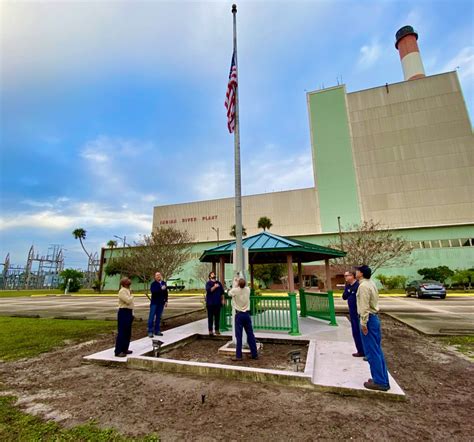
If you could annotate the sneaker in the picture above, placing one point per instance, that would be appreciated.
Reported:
(121, 355)
(150, 335)
(159, 334)
(255, 358)
(218, 333)
(129, 352)
(358, 355)
(373, 386)
(234, 359)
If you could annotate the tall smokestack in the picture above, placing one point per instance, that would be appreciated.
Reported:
(409, 53)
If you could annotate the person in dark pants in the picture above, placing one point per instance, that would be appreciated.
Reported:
(367, 306)
(214, 300)
(241, 302)
(124, 319)
(350, 295)
(158, 302)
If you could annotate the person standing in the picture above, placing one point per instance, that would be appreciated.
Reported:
(241, 302)
(158, 302)
(124, 319)
(367, 306)
(350, 295)
(214, 300)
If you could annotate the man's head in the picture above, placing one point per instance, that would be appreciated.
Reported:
(158, 276)
(350, 276)
(363, 272)
(212, 275)
(126, 282)
(242, 283)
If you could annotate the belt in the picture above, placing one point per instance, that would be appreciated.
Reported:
(240, 311)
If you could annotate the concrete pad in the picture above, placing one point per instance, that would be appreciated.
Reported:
(329, 362)
(437, 324)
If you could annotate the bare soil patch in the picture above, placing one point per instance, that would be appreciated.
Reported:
(438, 383)
(273, 356)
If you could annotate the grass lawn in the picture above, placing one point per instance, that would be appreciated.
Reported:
(27, 337)
(464, 344)
(18, 426)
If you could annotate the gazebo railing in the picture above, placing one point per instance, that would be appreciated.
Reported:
(318, 305)
(277, 313)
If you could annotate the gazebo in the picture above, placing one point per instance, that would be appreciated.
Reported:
(267, 248)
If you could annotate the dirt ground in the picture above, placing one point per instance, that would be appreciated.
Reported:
(274, 356)
(439, 386)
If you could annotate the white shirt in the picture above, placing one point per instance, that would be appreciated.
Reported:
(240, 299)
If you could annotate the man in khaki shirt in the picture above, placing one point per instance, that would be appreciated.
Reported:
(124, 319)
(368, 308)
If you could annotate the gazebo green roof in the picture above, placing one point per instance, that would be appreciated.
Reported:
(267, 248)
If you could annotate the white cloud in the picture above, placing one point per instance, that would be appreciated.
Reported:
(463, 62)
(368, 55)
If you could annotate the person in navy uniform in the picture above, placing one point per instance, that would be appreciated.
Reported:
(350, 295)
(214, 300)
(158, 302)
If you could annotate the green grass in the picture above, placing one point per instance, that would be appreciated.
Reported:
(464, 344)
(27, 337)
(18, 426)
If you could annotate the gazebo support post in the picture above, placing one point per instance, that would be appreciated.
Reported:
(222, 270)
(300, 275)
(328, 275)
(291, 278)
(214, 267)
(251, 277)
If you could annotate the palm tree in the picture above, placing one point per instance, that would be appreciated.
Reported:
(232, 231)
(80, 234)
(264, 223)
(111, 244)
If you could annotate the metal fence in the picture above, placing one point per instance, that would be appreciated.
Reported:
(318, 305)
(277, 313)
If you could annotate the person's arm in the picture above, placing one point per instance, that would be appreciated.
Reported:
(166, 294)
(231, 293)
(345, 294)
(363, 294)
(125, 296)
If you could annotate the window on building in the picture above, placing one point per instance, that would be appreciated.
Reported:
(425, 245)
(466, 242)
(435, 243)
(445, 243)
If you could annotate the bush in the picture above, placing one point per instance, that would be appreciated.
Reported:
(463, 277)
(393, 282)
(440, 273)
(75, 276)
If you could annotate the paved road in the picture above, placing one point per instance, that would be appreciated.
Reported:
(433, 316)
(89, 307)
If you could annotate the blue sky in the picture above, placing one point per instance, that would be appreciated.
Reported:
(110, 108)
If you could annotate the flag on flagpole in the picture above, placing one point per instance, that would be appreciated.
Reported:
(230, 95)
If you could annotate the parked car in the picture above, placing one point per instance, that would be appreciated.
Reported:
(425, 288)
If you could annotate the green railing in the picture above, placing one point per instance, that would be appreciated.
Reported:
(318, 305)
(268, 313)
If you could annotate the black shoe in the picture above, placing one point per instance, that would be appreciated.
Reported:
(365, 358)
(234, 359)
(159, 334)
(129, 352)
(373, 386)
(254, 358)
(211, 334)
(121, 355)
(358, 355)
(150, 335)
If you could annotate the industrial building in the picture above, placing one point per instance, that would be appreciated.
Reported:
(400, 154)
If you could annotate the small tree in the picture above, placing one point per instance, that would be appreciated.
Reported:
(269, 273)
(440, 273)
(464, 277)
(233, 234)
(264, 223)
(80, 234)
(392, 282)
(71, 274)
(201, 272)
(166, 251)
(372, 244)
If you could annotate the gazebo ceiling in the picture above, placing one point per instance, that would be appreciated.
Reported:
(267, 248)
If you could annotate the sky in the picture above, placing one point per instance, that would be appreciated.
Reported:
(110, 108)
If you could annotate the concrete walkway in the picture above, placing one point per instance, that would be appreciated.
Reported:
(329, 365)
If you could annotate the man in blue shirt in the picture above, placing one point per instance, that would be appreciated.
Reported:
(350, 294)
(159, 300)
(214, 300)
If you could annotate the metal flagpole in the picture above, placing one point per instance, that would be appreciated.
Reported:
(239, 264)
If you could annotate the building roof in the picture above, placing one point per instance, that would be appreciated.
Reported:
(267, 248)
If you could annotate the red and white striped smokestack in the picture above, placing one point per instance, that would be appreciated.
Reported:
(409, 53)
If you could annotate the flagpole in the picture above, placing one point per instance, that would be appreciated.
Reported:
(239, 256)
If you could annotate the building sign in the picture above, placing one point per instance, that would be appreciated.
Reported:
(187, 220)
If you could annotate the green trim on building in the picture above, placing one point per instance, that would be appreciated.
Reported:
(333, 165)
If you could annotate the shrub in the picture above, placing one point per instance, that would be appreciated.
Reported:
(393, 282)
(76, 278)
(440, 273)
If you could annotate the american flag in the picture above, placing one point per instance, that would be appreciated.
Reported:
(230, 95)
